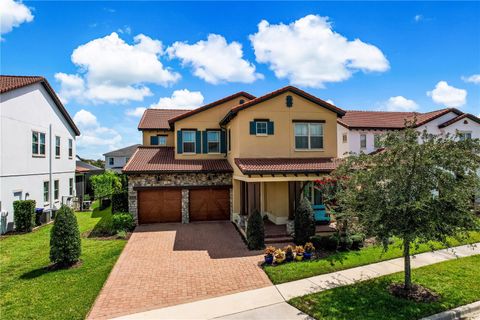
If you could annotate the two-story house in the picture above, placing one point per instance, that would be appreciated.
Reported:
(359, 131)
(116, 159)
(37, 145)
(230, 157)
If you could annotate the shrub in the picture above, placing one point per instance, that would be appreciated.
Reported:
(255, 231)
(24, 215)
(105, 203)
(123, 222)
(304, 222)
(65, 245)
(345, 242)
(105, 184)
(357, 240)
(328, 243)
(122, 234)
(120, 202)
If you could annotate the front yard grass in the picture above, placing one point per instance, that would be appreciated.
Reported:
(29, 291)
(349, 259)
(457, 282)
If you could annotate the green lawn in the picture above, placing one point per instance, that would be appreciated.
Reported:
(344, 260)
(457, 282)
(28, 291)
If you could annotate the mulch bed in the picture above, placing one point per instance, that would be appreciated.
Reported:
(417, 293)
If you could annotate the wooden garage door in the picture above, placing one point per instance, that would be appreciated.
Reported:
(209, 204)
(161, 205)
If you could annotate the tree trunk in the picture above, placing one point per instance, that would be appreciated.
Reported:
(408, 269)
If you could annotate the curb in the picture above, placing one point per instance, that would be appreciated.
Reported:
(457, 313)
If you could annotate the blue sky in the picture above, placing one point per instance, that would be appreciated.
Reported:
(109, 60)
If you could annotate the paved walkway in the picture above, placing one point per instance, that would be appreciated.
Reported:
(169, 264)
(271, 301)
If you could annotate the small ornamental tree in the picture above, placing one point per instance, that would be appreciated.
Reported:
(105, 184)
(255, 231)
(65, 245)
(304, 222)
(419, 189)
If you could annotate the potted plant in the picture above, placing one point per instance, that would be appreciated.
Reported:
(269, 251)
(288, 253)
(309, 248)
(279, 256)
(299, 253)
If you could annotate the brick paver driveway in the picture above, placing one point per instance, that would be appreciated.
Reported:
(168, 264)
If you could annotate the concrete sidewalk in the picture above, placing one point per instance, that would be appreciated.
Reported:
(271, 301)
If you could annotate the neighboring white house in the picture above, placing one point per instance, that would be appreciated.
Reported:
(115, 160)
(358, 131)
(37, 145)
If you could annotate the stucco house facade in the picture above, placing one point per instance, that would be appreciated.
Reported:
(226, 159)
(37, 145)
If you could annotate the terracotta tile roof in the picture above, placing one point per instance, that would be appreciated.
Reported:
(211, 105)
(82, 167)
(162, 160)
(158, 118)
(9, 83)
(275, 93)
(286, 165)
(460, 117)
(388, 119)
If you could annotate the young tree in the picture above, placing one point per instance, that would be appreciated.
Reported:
(255, 231)
(419, 189)
(304, 222)
(65, 244)
(105, 184)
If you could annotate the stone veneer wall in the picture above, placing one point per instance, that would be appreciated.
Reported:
(176, 180)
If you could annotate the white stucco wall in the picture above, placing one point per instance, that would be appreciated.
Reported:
(22, 111)
(118, 162)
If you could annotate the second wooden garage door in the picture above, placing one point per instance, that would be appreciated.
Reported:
(209, 204)
(161, 205)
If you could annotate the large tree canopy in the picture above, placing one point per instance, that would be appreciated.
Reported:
(419, 188)
(105, 184)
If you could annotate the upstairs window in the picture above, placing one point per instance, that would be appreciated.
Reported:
(261, 128)
(363, 141)
(464, 135)
(38, 143)
(70, 148)
(188, 141)
(213, 141)
(46, 191)
(158, 140)
(111, 161)
(57, 146)
(308, 136)
(56, 189)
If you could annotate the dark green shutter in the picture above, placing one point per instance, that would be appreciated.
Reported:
(198, 140)
(270, 127)
(179, 142)
(204, 140)
(223, 142)
(154, 140)
(253, 127)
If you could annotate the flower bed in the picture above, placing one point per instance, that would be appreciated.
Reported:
(277, 256)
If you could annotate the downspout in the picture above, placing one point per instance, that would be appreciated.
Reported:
(50, 183)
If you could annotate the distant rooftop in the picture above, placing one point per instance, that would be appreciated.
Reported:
(123, 152)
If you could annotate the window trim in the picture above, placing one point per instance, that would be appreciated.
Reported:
(58, 147)
(229, 140)
(363, 135)
(194, 142)
(47, 201)
(218, 142)
(70, 186)
(38, 154)
(266, 128)
(70, 148)
(345, 138)
(321, 124)
(56, 190)
(112, 162)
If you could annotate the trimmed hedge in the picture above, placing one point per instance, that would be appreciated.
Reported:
(65, 245)
(255, 231)
(123, 222)
(120, 202)
(24, 215)
(327, 243)
(304, 222)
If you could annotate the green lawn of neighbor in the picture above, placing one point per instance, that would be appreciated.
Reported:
(457, 281)
(349, 259)
(29, 291)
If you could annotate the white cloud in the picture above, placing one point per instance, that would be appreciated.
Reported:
(309, 53)
(114, 71)
(137, 112)
(330, 101)
(13, 14)
(474, 78)
(447, 95)
(180, 99)
(215, 60)
(400, 103)
(94, 139)
(418, 18)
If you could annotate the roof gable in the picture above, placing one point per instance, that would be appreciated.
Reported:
(10, 83)
(157, 119)
(458, 118)
(123, 152)
(234, 111)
